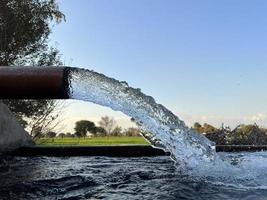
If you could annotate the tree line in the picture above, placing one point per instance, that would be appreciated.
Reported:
(250, 134)
(84, 128)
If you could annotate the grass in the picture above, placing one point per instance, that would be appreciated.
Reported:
(94, 141)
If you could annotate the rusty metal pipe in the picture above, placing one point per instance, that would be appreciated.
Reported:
(34, 82)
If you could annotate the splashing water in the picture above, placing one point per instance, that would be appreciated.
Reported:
(187, 147)
(195, 154)
(201, 174)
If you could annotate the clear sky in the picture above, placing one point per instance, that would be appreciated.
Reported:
(204, 60)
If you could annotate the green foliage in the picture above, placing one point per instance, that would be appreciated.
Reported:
(101, 131)
(132, 132)
(83, 127)
(51, 134)
(206, 128)
(24, 31)
(219, 136)
(117, 131)
(197, 126)
(27, 108)
(250, 134)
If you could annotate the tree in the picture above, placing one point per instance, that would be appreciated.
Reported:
(132, 132)
(83, 127)
(250, 134)
(108, 123)
(51, 134)
(47, 118)
(219, 136)
(61, 135)
(117, 131)
(100, 131)
(206, 128)
(37, 132)
(197, 127)
(24, 30)
(216, 135)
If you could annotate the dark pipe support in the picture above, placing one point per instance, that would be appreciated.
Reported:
(34, 83)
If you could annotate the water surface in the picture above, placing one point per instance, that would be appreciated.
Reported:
(128, 178)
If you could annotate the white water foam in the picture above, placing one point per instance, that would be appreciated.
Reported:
(242, 171)
(189, 148)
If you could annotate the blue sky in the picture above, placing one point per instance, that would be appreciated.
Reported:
(204, 60)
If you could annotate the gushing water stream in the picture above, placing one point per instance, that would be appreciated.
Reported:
(195, 154)
(157, 123)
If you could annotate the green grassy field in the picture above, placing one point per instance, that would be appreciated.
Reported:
(105, 141)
